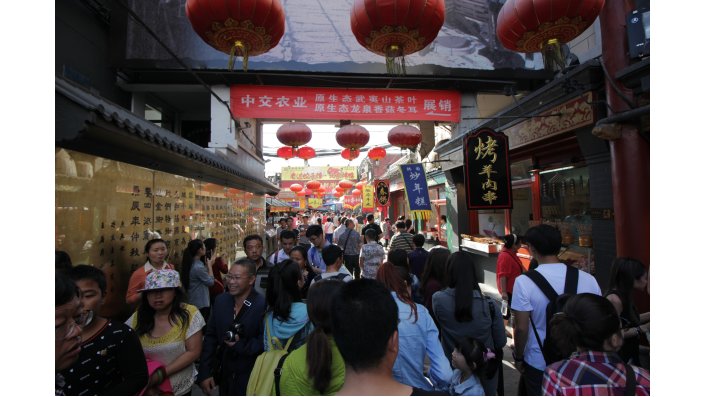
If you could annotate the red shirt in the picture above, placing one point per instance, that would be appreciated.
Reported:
(509, 266)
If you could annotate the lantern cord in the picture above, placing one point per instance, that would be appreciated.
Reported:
(186, 67)
(396, 65)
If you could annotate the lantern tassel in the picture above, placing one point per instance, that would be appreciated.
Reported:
(394, 58)
(233, 54)
(553, 58)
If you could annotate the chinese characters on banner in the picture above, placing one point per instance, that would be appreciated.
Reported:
(351, 202)
(487, 172)
(368, 198)
(382, 193)
(278, 102)
(416, 190)
(315, 202)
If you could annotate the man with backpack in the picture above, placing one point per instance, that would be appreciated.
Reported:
(533, 308)
(333, 257)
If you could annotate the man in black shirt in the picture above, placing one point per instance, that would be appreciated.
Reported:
(371, 225)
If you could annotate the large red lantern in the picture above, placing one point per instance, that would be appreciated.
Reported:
(357, 192)
(349, 155)
(404, 136)
(353, 137)
(313, 185)
(294, 134)
(242, 28)
(543, 25)
(296, 188)
(338, 194)
(306, 153)
(395, 28)
(377, 153)
(345, 184)
(308, 192)
(340, 189)
(359, 185)
(285, 152)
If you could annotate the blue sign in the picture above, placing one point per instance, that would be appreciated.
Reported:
(416, 190)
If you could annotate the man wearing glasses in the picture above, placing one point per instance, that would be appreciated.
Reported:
(68, 320)
(239, 310)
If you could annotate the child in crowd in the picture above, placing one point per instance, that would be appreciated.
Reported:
(468, 358)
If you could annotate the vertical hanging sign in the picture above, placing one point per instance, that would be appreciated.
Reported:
(368, 198)
(488, 181)
(382, 193)
(416, 190)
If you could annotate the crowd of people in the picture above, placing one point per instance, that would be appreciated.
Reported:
(361, 309)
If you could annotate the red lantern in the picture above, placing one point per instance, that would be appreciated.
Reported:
(285, 152)
(353, 137)
(321, 190)
(340, 189)
(301, 193)
(350, 155)
(338, 194)
(238, 27)
(356, 192)
(377, 153)
(404, 136)
(345, 184)
(294, 134)
(296, 188)
(308, 192)
(306, 152)
(543, 25)
(359, 185)
(313, 185)
(394, 28)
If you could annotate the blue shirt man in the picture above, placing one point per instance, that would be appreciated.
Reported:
(318, 242)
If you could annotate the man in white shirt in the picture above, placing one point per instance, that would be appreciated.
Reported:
(529, 303)
(287, 240)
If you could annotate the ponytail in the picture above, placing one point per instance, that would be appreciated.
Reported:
(319, 358)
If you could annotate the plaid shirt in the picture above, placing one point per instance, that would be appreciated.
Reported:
(592, 373)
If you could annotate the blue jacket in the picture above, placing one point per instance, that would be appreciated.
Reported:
(239, 359)
(416, 340)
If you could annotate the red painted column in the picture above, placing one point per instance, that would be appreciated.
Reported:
(630, 152)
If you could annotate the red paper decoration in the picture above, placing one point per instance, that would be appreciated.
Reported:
(345, 184)
(242, 28)
(313, 185)
(296, 188)
(404, 136)
(350, 155)
(285, 152)
(294, 134)
(394, 28)
(377, 153)
(356, 192)
(306, 153)
(543, 25)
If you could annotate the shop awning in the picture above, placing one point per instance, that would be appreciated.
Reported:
(276, 205)
(88, 123)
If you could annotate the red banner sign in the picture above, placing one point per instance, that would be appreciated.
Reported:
(279, 102)
(351, 202)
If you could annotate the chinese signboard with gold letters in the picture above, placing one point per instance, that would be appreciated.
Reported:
(487, 173)
(382, 193)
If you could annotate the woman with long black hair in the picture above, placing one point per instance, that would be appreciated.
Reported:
(462, 310)
(197, 277)
(169, 330)
(629, 275)
(286, 315)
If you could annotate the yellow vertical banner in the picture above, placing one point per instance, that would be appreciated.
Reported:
(368, 198)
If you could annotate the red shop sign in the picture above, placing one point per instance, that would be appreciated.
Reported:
(297, 103)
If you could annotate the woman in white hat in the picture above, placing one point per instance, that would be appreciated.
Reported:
(169, 330)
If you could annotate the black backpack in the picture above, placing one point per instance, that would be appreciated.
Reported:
(551, 352)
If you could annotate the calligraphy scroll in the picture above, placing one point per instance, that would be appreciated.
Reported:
(368, 198)
(416, 190)
(488, 180)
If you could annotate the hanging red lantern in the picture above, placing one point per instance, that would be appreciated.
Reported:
(353, 137)
(296, 188)
(395, 28)
(345, 184)
(306, 152)
(313, 185)
(377, 153)
(301, 193)
(285, 152)
(404, 136)
(294, 134)
(240, 28)
(359, 185)
(543, 25)
(340, 189)
(356, 192)
(338, 194)
(349, 155)
(308, 192)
